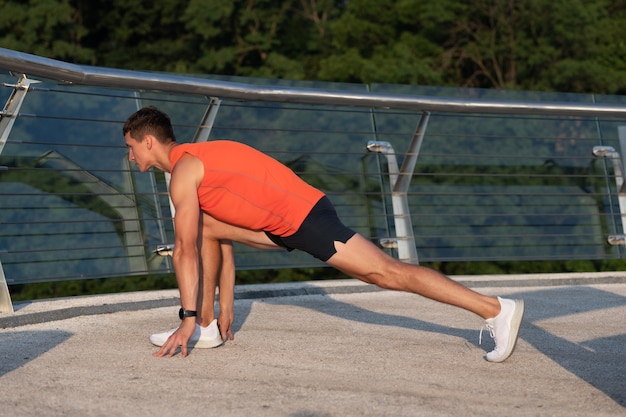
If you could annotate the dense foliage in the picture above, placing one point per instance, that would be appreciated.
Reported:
(548, 45)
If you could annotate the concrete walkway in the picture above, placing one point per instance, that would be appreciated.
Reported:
(318, 349)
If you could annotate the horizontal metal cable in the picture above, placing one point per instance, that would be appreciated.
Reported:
(94, 248)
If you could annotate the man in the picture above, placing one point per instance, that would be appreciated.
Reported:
(226, 191)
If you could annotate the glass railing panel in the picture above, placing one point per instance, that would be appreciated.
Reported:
(490, 187)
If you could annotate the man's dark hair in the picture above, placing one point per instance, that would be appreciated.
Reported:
(149, 121)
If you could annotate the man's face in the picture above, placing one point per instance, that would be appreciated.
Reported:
(137, 152)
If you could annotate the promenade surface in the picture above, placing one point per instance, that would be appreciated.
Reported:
(319, 349)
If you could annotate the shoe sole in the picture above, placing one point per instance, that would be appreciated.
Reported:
(157, 342)
(516, 322)
(207, 344)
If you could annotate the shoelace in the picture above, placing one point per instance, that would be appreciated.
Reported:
(491, 332)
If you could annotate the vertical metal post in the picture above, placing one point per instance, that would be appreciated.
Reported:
(7, 119)
(12, 108)
(204, 129)
(202, 135)
(408, 165)
(618, 169)
(400, 179)
(6, 306)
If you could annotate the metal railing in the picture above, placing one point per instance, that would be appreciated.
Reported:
(449, 174)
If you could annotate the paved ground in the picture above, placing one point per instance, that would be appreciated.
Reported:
(322, 349)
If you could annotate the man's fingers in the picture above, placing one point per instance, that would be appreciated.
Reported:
(162, 351)
(166, 351)
(222, 331)
(226, 334)
(169, 348)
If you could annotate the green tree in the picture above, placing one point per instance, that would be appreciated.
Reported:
(548, 45)
(50, 28)
(559, 45)
(258, 38)
(387, 41)
(140, 35)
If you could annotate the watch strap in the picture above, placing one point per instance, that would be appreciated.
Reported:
(183, 314)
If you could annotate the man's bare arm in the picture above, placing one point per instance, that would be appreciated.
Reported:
(184, 193)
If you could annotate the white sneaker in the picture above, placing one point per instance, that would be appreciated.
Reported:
(504, 329)
(202, 338)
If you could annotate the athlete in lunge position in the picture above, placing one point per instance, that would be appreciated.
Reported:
(225, 191)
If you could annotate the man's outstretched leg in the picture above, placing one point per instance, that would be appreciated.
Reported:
(361, 259)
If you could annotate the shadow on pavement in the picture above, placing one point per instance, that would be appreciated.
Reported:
(19, 348)
(599, 362)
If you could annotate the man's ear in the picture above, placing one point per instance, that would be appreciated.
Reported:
(149, 140)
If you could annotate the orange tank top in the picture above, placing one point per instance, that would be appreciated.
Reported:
(247, 188)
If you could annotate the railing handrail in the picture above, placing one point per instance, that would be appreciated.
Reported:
(126, 79)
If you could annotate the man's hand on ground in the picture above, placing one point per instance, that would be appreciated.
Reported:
(224, 323)
(179, 338)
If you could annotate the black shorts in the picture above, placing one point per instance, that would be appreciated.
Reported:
(318, 233)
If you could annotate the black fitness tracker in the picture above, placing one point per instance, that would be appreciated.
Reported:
(183, 314)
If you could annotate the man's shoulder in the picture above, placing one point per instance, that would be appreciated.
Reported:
(212, 145)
